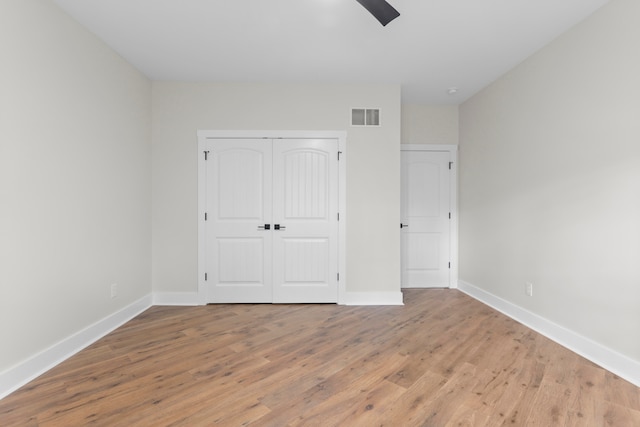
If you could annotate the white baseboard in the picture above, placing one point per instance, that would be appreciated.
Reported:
(14, 378)
(176, 298)
(350, 298)
(619, 364)
(372, 298)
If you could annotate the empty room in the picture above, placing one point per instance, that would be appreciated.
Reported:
(320, 213)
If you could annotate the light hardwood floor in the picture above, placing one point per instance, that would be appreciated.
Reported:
(443, 359)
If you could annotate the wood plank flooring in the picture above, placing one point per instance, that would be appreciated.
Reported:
(443, 359)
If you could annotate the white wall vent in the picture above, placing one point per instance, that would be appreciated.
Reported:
(365, 117)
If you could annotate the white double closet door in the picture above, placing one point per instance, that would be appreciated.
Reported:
(271, 228)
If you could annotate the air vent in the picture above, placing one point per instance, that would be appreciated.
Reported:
(365, 117)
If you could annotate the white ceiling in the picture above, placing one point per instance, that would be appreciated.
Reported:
(432, 46)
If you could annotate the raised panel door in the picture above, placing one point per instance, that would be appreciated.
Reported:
(305, 208)
(425, 214)
(239, 201)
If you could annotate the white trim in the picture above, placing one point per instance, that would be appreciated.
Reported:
(340, 136)
(619, 364)
(342, 209)
(372, 298)
(454, 217)
(176, 298)
(202, 207)
(271, 134)
(19, 375)
(453, 192)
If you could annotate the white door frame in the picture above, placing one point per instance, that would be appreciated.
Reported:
(453, 188)
(340, 136)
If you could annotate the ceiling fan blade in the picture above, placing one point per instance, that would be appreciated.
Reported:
(381, 10)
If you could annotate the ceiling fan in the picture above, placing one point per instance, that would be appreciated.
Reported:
(381, 10)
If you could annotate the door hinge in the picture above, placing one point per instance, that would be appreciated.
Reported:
(205, 216)
(338, 216)
(206, 155)
(339, 152)
(338, 276)
(449, 215)
(450, 164)
(205, 277)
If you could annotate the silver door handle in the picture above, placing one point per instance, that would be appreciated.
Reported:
(278, 227)
(403, 225)
(264, 227)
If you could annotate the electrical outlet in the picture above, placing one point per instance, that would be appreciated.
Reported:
(114, 290)
(528, 288)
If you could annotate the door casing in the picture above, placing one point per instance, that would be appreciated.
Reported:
(340, 136)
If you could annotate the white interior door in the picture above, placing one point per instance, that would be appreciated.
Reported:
(305, 208)
(426, 219)
(272, 231)
(238, 205)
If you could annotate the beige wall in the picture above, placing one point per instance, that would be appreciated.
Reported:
(429, 124)
(74, 179)
(548, 192)
(550, 181)
(373, 162)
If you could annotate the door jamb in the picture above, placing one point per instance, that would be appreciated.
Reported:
(340, 136)
(453, 191)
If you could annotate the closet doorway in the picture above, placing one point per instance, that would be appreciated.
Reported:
(270, 229)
